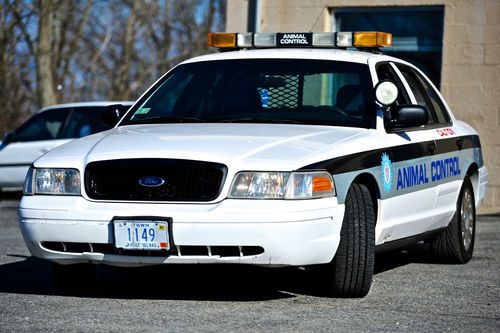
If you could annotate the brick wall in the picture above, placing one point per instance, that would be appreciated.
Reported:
(470, 79)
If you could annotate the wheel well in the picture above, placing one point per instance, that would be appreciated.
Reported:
(473, 168)
(370, 182)
(473, 173)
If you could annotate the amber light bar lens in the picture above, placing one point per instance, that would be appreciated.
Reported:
(372, 39)
(221, 39)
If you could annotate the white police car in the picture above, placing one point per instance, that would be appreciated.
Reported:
(287, 150)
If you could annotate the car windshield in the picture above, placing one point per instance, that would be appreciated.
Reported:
(261, 91)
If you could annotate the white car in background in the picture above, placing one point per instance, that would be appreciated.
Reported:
(48, 128)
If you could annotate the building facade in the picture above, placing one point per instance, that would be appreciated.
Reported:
(456, 42)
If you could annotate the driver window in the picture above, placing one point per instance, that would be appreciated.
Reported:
(42, 126)
(418, 91)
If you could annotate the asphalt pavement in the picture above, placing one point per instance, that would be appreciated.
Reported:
(411, 292)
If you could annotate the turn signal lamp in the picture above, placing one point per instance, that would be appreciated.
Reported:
(373, 39)
(321, 184)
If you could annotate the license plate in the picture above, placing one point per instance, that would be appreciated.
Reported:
(141, 235)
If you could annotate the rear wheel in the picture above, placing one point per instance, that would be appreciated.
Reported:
(351, 271)
(456, 243)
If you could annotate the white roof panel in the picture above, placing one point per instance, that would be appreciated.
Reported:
(288, 53)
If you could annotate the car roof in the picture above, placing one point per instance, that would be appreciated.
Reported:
(85, 104)
(288, 53)
(332, 54)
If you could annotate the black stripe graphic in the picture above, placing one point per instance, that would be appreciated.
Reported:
(371, 158)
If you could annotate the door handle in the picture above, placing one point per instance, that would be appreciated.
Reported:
(431, 148)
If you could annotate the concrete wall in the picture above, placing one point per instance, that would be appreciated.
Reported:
(470, 80)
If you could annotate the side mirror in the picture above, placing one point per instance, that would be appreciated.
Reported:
(386, 92)
(408, 116)
(112, 114)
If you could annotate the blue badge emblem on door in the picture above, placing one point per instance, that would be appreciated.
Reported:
(386, 173)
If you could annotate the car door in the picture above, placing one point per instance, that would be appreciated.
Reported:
(408, 195)
(445, 168)
(32, 139)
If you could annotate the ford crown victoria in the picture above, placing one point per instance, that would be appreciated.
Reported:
(281, 150)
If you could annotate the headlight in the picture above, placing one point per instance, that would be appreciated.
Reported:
(52, 181)
(259, 185)
(282, 185)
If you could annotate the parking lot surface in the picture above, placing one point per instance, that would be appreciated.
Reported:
(410, 292)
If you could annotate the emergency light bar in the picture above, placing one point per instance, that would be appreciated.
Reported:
(372, 39)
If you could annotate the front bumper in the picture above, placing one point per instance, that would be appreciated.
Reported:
(12, 177)
(294, 233)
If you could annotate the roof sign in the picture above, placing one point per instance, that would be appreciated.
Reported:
(294, 39)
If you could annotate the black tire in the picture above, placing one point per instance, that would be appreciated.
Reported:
(355, 257)
(456, 243)
(73, 276)
(350, 273)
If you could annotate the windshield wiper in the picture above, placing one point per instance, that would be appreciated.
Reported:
(260, 120)
(166, 120)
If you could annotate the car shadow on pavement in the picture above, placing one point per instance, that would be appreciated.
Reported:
(417, 253)
(177, 282)
(184, 282)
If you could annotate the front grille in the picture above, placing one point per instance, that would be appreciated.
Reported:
(184, 180)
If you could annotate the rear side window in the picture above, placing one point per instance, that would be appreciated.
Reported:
(42, 126)
(425, 95)
(83, 121)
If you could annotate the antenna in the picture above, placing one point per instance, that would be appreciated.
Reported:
(319, 15)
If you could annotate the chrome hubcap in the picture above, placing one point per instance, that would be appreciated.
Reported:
(467, 219)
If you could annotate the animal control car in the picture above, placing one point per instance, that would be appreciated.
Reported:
(284, 150)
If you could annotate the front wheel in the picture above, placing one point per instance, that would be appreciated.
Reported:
(456, 243)
(351, 271)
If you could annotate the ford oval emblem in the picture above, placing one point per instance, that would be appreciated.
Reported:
(151, 181)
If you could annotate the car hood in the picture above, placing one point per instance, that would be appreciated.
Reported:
(239, 146)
